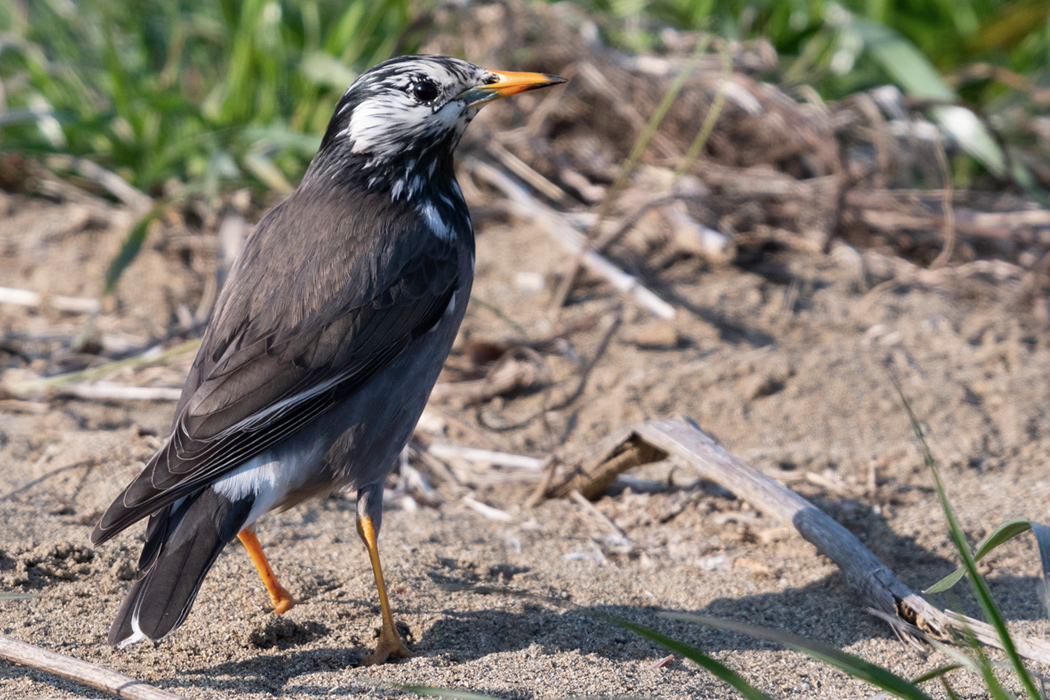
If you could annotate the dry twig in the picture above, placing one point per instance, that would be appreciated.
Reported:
(605, 520)
(54, 472)
(529, 207)
(109, 391)
(471, 454)
(684, 442)
(486, 510)
(85, 672)
(153, 356)
(25, 297)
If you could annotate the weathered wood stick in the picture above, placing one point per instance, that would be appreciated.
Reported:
(85, 672)
(884, 595)
(686, 443)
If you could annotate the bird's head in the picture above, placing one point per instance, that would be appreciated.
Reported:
(410, 112)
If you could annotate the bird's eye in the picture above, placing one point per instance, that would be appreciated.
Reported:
(425, 90)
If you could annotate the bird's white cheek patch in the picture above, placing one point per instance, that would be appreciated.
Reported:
(380, 125)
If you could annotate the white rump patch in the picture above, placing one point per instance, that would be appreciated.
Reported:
(269, 478)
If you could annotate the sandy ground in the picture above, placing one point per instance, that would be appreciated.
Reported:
(785, 353)
(786, 361)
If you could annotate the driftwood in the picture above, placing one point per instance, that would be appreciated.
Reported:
(682, 441)
(85, 672)
(617, 453)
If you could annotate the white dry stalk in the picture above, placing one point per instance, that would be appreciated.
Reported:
(472, 454)
(487, 511)
(34, 300)
(528, 207)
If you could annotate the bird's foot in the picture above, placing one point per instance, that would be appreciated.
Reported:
(282, 600)
(390, 646)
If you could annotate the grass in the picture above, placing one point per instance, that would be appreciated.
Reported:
(823, 48)
(874, 675)
(186, 90)
(209, 93)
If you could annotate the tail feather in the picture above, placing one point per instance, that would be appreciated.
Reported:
(183, 542)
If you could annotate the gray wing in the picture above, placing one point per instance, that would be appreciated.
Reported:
(256, 381)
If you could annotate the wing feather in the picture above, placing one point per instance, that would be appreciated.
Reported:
(258, 379)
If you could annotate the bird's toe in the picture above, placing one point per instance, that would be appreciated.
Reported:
(388, 648)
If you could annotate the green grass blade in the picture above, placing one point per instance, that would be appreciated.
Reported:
(129, 249)
(710, 119)
(1004, 533)
(980, 587)
(910, 69)
(984, 665)
(1042, 539)
(936, 673)
(267, 172)
(713, 666)
(849, 663)
(948, 690)
(19, 596)
(642, 142)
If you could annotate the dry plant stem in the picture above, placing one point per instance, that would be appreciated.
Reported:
(54, 472)
(108, 391)
(25, 297)
(601, 517)
(152, 356)
(948, 212)
(615, 454)
(888, 598)
(472, 454)
(633, 158)
(539, 494)
(1033, 649)
(604, 242)
(117, 186)
(511, 376)
(528, 207)
(89, 674)
(486, 510)
(523, 170)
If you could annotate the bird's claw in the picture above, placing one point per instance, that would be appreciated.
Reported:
(390, 646)
(282, 600)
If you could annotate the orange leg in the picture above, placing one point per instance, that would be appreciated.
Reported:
(390, 643)
(282, 599)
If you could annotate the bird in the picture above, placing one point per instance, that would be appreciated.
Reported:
(324, 345)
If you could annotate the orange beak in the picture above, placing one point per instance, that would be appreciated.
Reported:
(506, 83)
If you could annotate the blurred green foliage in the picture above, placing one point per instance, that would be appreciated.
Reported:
(186, 89)
(207, 91)
(821, 41)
